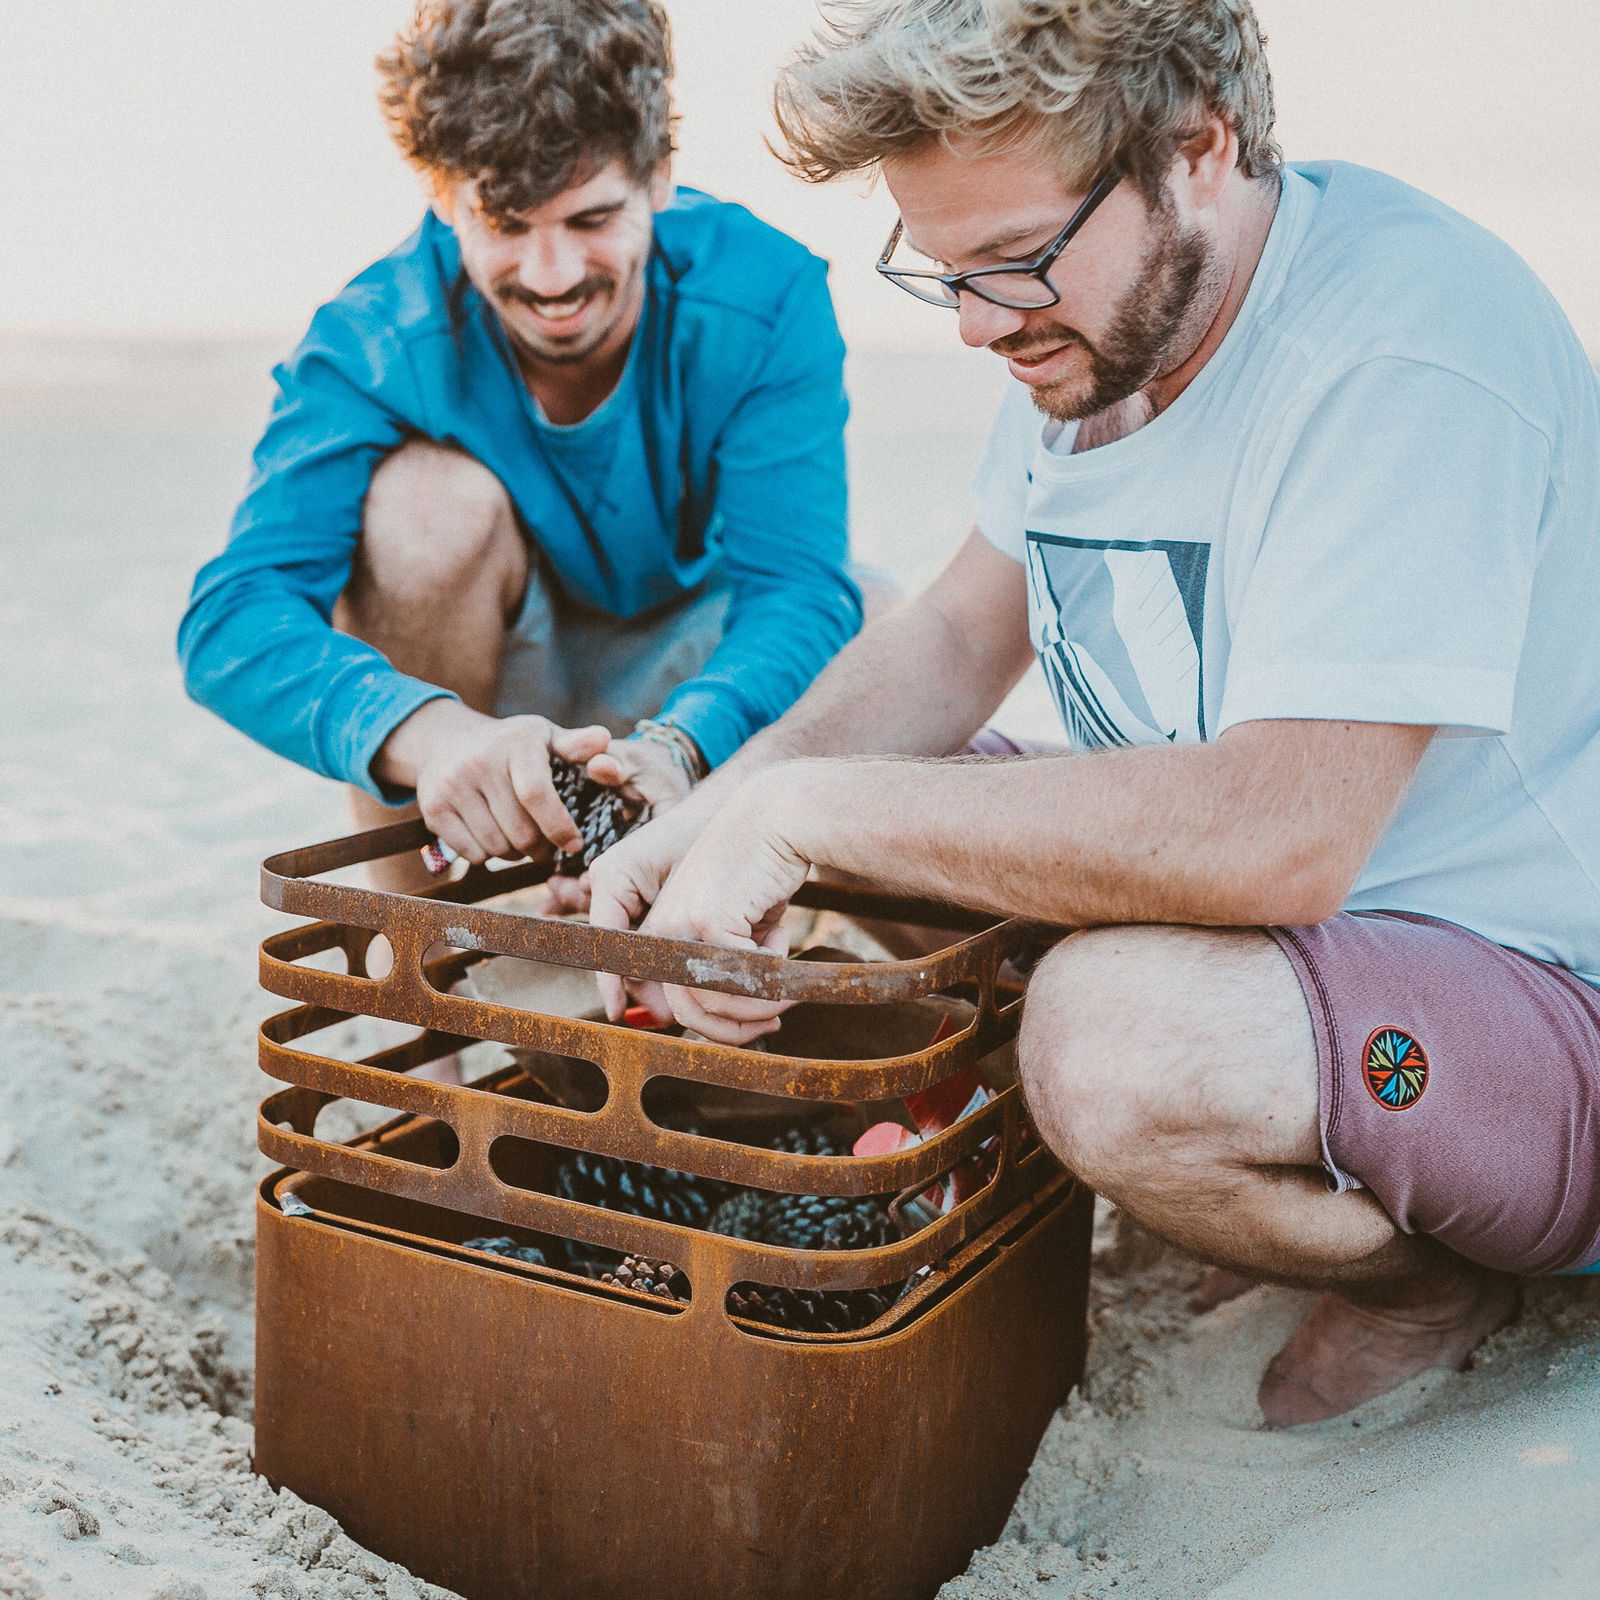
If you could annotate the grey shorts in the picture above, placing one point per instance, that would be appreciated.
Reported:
(1460, 1084)
(578, 666)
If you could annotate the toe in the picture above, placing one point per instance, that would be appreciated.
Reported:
(1288, 1397)
(1216, 1288)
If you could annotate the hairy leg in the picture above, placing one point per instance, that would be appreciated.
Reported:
(1174, 1070)
(437, 581)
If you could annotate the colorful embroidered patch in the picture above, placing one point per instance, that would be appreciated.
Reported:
(1395, 1068)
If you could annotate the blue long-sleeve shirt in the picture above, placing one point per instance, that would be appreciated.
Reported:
(721, 451)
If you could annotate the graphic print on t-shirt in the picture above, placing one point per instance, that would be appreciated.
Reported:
(1118, 626)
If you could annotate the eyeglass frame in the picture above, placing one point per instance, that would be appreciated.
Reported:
(1040, 267)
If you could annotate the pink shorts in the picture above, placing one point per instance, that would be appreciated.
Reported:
(1460, 1085)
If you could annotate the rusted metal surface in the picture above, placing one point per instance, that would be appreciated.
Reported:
(512, 1431)
(516, 1439)
(290, 882)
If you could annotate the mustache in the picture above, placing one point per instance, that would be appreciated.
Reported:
(1023, 344)
(514, 292)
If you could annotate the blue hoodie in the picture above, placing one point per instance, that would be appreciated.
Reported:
(720, 453)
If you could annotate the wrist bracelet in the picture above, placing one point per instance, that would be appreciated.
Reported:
(677, 741)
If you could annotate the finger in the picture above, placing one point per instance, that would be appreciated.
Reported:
(621, 995)
(529, 773)
(613, 996)
(687, 1009)
(740, 1007)
(612, 770)
(615, 766)
(568, 895)
(489, 840)
(615, 902)
(452, 831)
(579, 744)
(749, 1015)
(448, 824)
(648, 775)
(521, 832)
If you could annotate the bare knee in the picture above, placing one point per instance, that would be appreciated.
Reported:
(1130, 1039)
(435, 520)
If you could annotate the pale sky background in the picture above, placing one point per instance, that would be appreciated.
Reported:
(218, 166)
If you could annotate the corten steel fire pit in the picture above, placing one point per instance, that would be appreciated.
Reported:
(512, 1430)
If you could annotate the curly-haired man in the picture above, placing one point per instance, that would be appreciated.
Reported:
(1297, 492)
(568, 460)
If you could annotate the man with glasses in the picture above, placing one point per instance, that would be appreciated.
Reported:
(1296, 497)
(568, 460)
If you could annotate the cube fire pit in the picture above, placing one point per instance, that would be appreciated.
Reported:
(460, 1355)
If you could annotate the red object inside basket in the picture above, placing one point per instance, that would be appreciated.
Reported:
(933, 1110)
(642, 1017)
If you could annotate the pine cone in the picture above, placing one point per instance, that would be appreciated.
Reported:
(812, 1310)
(812, 1141)
(602, 815)
(642, 1191)
(805, 1222)
(808, 1222)
(742, 1216)
(509, 1248)
(827, 1222)
(660, 1278)
(868, 1226)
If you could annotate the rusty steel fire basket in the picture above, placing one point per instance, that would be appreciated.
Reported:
(513, 1430)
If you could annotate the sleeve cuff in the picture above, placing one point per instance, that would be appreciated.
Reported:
(1470, 699)
(360, 715)
(707, 717)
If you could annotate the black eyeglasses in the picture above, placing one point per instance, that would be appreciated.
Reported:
(1019, 288)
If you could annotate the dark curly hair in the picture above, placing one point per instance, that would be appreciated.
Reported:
(526, 97)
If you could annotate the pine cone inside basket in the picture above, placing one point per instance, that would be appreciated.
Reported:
(509, 1248)
(812, 1310)
(808, 1222)
(812, 1141)
(642, 1191)
(827, 1222)
(660, 1278)
(743, 1215)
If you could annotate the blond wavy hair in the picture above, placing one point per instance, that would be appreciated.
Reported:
(1093, 82)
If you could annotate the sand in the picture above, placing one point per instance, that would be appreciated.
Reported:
(131, 827)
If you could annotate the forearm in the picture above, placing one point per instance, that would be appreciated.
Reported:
(268, 662)
(403, 755)
(911, 684)
(1222, 834)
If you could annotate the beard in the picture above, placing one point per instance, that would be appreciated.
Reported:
(1146, 331)
(572, 350)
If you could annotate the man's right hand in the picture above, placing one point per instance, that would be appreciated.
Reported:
(483, 783)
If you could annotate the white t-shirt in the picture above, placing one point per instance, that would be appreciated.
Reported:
(1378, 502)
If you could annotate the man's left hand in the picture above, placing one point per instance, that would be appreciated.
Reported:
(732, 889)
(647, 772)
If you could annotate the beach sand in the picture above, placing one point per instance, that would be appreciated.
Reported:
(132, 826)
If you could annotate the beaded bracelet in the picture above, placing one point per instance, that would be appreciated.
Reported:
(677, 741)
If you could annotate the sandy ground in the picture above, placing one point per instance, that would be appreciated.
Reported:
(132, 824)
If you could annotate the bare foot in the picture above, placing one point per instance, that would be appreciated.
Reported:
(1345, 1354)
(1217, 1287)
